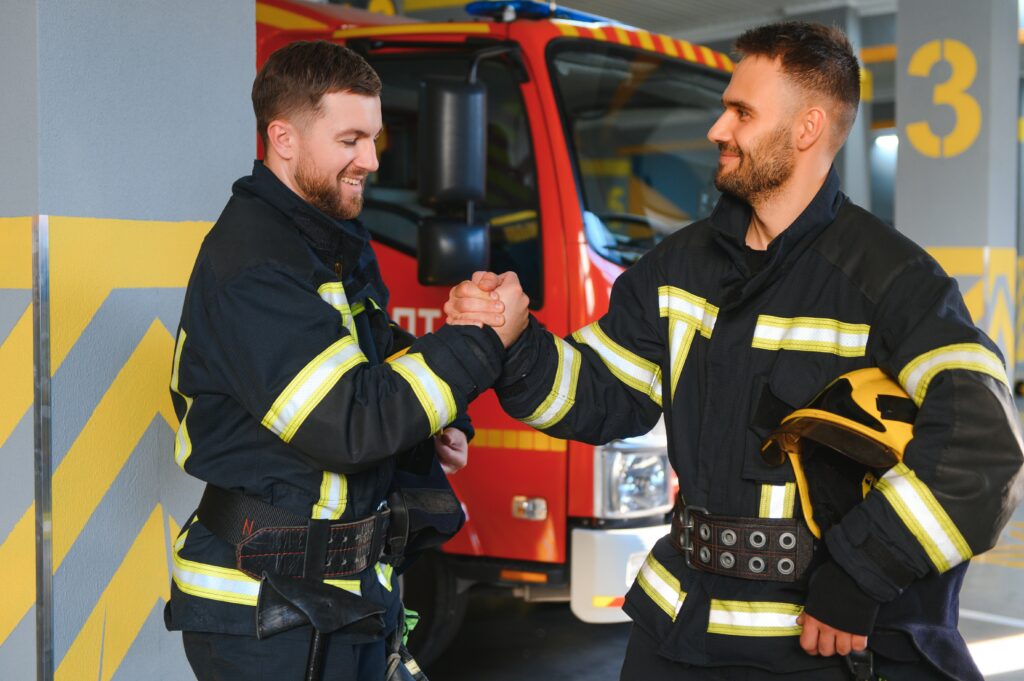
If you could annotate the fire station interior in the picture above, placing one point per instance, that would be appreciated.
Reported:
(123, 126)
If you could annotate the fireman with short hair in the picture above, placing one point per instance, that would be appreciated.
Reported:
(303, 408)
(733, 323)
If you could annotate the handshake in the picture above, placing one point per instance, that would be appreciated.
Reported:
(496, 300)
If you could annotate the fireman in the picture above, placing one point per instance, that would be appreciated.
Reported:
(732, 323)
(300, 403)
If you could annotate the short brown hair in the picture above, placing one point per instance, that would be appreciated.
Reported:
(296, 77)
(818, 58)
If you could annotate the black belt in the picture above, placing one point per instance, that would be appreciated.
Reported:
(772, 549)
(269, 539)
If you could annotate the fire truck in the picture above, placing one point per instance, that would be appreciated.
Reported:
(561, 146)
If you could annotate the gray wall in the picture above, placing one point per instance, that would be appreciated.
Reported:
(19, 132)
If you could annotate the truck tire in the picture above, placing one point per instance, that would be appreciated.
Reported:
(430, 588)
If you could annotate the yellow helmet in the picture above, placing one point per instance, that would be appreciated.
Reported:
(863, 415)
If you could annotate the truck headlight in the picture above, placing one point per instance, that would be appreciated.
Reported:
(633, 477)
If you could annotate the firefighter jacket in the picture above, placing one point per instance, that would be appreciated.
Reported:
(287, 386)
(696, 333)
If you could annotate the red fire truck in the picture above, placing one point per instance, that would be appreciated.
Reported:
(562, 146)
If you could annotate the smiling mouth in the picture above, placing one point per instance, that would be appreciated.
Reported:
(352, 181)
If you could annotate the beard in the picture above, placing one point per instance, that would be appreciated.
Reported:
(324, 192)
(762, 170)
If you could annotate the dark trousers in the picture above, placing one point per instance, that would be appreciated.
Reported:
(223, 657)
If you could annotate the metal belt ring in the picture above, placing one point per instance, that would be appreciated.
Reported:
(756, 564)
(727, 560)
(728, 537)
(787, 540)
(705, 554)
(705, 531)
(758, 539)
(786, 566)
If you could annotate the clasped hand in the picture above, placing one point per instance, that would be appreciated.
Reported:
(492, 299)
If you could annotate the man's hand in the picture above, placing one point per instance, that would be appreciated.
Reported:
(819, 638)
(452, 450)
(495, 300)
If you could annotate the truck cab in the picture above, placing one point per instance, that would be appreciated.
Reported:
(594, 148)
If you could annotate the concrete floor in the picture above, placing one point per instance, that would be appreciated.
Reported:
(507, 640)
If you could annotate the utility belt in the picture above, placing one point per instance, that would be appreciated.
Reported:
(767, 549)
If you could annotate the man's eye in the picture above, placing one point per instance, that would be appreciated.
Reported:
(349, 143)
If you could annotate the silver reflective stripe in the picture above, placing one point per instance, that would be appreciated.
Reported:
(434, 395)
(633, 370)
(753, 618)
(182, 442)
(811, 334)
(563, 393)
(681, 337)
(919, 372)
(675, 303)
(211, 581)
(333, 293)
(333, 497)
(310, 386)
(662, 587)
(777, 500)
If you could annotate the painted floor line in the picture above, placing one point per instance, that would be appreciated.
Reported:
(979, 616)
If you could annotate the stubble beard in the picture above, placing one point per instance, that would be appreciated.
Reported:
(325, 193)
(762, 170)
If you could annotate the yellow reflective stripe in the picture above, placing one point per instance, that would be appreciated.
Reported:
(182, 442)
(916, 376)
(434, 394)
(777, 500)
(633, 370)
(384, 572)
(333, 497)
(662, 587)
(310, 386)
(811, 334)
(681, 337)
(413, 668)
(921, 512)
(351, 585)
(212, 581)
(675, 303)
(333, 293)
(563, 392)
(753, 618)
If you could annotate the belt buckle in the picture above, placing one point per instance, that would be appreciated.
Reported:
(688, 526)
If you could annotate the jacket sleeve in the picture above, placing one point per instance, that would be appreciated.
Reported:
(600, 383)
(960, 478)
(285, 355)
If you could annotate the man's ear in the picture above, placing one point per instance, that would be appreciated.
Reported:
(812, 124)
(282, 139)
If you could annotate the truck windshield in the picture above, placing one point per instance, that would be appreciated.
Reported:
(637, 125)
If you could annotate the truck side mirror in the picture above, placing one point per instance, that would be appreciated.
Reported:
(451, 250)
(452, 141)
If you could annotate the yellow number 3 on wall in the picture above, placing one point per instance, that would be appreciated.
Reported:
(951, 93)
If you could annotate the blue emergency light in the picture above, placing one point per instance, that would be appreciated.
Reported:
(509, 10)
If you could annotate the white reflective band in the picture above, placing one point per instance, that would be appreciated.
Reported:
(434, 394)
(777, 500)
(633, 370)
(310, 386)
(333, 293)
(182, 442)
(753, 618)
(921, 512)
(916, 376)
(333, 497)
(811, 334)
(211, 581)
(413, 668)
(681, 337)
(563, 393)
(384, 572)
(675, 303)
(663, 588)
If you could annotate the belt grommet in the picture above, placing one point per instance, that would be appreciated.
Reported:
(705, 532)
(786, 566)
(728, 537)
(727, 560)
(756, 564)
(705, 554)
(757, 539)
(787, 540)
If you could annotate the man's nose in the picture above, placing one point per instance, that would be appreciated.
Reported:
(719, 130)
(367, 158)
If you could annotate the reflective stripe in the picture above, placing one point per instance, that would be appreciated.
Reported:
(921, 512)
(753, 618)
(675, 303)
(412, 667)
(631, 369)
(333, 293)
(310, 386)
(811, 334)
(777, 500)
(333, 497)
(563, 392)
(663, 588)
(182, 442)
(211, 581)
(916, 376)
(434, 394)
(681, 337)
(351, 585)
(384, 572)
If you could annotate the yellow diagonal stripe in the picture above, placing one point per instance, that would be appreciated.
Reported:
(138, 393)
(139, 583)
(16, 253)
(282, 18)
(17, 572)
(90, 257)
(16, 370)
